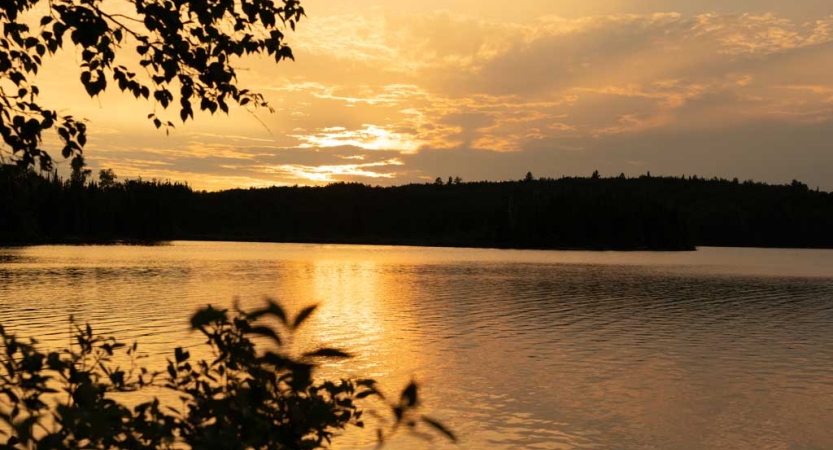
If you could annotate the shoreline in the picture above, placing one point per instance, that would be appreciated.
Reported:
(371, 241)
(374, 241)
(379, 242)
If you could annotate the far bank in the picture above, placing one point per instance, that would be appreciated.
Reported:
(645, 213)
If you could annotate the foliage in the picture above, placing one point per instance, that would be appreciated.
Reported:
(80, 172)
(660, 213)
(106, 178)
(187, 48)
(242, 399)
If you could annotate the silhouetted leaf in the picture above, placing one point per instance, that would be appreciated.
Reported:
(272, 308)
(368, 393)
(439, 427)
(181, 355)
(275, 359)
(409, 395)
(207, 316)
(303, 315)
(265, 331)
(329, 353)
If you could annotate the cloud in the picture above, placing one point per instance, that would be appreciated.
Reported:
(332, 173)
(389, 97)
(369, 137)
(608, 74)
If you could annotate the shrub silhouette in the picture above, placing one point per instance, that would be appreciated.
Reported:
(242, 399)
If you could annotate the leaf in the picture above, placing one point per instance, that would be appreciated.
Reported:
(117, 378)
(181, 355)
(275, 309)
(265, 331)
(208, 104)
(207, 315)
(275, 359)
(439, 427)
(368, 393)
(86, 77)
(303, 315)
(409, 395)
(328, 353)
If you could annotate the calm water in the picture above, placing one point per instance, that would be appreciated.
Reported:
(714, 349)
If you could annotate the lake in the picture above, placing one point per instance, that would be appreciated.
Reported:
(722, 348)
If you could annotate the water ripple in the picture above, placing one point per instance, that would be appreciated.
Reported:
(549, 350)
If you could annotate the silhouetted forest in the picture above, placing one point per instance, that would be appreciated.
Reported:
(657, 213)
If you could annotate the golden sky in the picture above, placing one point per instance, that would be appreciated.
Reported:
(390, 92)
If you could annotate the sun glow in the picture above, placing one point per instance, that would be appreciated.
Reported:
(370, 137)
(332, 173)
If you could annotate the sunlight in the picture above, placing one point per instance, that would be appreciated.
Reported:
(330, 173)
(371, 137)
(360, 305)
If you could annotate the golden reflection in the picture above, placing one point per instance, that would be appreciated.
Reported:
(515, 349)
(360, 304)
(351, 293)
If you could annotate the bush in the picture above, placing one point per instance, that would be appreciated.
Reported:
(243, 399)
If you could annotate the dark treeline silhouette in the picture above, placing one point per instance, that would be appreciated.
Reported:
(657, 213)
(37, 209)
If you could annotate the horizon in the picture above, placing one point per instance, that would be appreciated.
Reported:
(458, 180)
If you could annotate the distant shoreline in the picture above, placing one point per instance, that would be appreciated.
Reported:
(583, 214)
(378, 241)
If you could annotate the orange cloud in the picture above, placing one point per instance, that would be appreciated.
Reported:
(332, 173)
(403, 92)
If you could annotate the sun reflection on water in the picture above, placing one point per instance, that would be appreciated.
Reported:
(722, 349)
(357, 303)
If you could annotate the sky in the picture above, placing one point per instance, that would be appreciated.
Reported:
(389, 92)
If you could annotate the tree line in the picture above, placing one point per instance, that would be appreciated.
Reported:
(645, 212)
